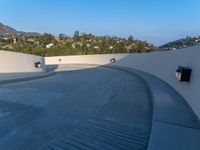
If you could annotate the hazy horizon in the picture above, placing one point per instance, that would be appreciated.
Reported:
(154, 21)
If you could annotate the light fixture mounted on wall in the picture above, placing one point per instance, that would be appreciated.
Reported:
(183, 74)
(38, 65)
(112, 60)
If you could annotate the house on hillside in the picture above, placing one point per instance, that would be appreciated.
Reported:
(49, 45)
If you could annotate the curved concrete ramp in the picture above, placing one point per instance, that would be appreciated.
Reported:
(104, 134)
(97, 108)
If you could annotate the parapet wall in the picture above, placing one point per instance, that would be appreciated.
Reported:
(84, 59)
(160, 64)
(164, 65)
(11, 62)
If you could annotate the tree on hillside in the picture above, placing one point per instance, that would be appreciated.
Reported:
(130, 39)
(62, 36)
(46, 39)
(76, 34)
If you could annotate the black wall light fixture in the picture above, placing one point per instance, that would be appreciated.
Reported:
(183, 74)
(112, 60)
(38, 65)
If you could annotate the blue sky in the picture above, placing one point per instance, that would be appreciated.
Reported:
(156, 21)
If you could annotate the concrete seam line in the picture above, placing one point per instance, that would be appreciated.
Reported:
(26, 78)
(176, 124)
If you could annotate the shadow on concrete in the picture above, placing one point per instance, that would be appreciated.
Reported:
(51, 67)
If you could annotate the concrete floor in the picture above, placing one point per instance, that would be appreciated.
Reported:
(94, 108)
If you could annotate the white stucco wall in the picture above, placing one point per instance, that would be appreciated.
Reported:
(11, 62)
(86, 59)
(160, 64)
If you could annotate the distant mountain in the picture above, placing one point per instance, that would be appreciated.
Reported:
(181, 43)
(6, 31)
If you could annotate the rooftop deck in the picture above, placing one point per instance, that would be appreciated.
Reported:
(95, 108)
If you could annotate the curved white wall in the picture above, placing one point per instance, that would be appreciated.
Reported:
(11, 62)
(164, 65)
(160, 64)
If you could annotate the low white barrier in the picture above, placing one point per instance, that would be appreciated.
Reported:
(11, 62)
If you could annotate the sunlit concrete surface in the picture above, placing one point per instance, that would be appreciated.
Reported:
(70, 67)
(93, 108)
